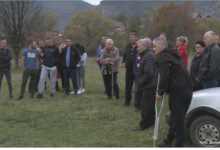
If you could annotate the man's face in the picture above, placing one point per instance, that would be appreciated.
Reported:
(48, 42)
(34, 45)
(104, 38)
(141, 48)
(163, 35)
(208, 40)
(157, 47)
(133, 39)
(109, 45)
(217, 40)
(3, 44)
(69, 42)
(41, 43)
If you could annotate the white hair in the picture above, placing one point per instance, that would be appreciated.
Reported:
(183, 39)
(161, 40)
(148, 39)
(109, 40)
(144, 42)
(211, 34)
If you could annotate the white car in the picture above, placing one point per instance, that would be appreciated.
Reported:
(203, 118)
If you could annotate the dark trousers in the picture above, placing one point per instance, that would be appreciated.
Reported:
(197, 88)
(210, 83)
(148, 108)
(138, 92)
(26, 74)
(7, 73)
(179, 101)
(108, 80)
(38, 78)
(60, 68)
(67, 74)
(129, 79)
(100, 66)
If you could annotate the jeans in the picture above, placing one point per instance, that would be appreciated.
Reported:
(210, 83)
(81, 76)
(7, 73)
(77, 71)
(70, 73)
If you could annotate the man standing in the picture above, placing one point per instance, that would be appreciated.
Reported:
(164, 35)
(70, 57)
(110, 59)
(5, 65)
(128, 60)
(148, 77)
(50, 53)
(101, 47)
(175, 81)
(210, 64)
(30, 65)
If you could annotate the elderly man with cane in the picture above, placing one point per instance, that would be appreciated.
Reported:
(147, 75)
(110, 59)
(174, 80)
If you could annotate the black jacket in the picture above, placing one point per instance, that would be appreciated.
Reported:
(170, 46)
(173, 72)
(51, 56)
(128, 57)
(194, 70)
(75, 57)
(6, 58)
(148, 71)
(210, 64)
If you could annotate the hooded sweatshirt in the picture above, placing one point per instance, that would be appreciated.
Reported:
(173, 72)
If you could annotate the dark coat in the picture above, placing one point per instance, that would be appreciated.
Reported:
(194, 70)
(75, 57)
(148, 71)
(51, 56)
(210, 64)
(173, 72)
(129, 57)
(6, 58)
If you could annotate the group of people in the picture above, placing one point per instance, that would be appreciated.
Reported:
(67, 61)
(159, 67)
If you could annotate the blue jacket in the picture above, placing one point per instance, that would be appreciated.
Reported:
(6, 58)
(99, 52)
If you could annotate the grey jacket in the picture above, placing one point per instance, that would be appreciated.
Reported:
(210, 64)
(114, 57)
(148, 71)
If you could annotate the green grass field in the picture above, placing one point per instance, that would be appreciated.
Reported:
(85, 121)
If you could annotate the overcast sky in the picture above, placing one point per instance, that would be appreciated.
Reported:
(93, 2)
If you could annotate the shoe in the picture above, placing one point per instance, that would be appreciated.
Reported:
(163, 144)
(105, 93)
(51, 95)
(32, 96)
(138, 128)
(72, 92)
(11, 97)
(83, 90)
(20, 98)
(79, 92)
(137, 109)
(66, 95)
(125, 104)
(40, 96)
(75, 94)
(109, 98)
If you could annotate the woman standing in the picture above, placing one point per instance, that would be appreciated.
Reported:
(194, 69)
(82, 69)
(181, 43)
(60, 73)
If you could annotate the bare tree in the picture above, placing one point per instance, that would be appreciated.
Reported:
(19, 19)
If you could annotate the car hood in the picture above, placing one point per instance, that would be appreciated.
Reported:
(206, 98)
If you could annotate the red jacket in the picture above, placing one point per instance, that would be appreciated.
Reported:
(183, 53)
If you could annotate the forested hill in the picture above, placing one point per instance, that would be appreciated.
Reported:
(136, 8)
(129, 8)
(65, 9)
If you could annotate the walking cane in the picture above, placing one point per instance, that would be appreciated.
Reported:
(112, 82)
(156, 128)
